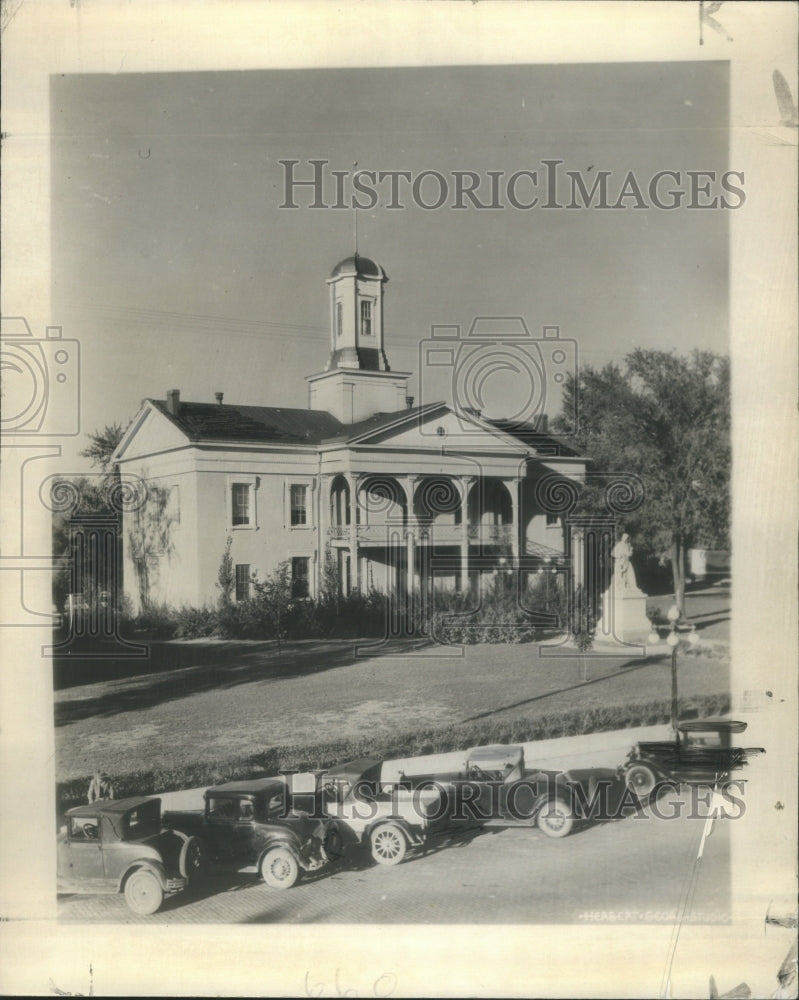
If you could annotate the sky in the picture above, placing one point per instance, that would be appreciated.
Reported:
(175, 266)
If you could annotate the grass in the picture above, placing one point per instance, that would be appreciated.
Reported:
(404, 744)
(197, 712)
(251, 697)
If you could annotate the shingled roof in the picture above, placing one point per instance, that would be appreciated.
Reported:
(223, 422)
(380, 420)
(546, 444)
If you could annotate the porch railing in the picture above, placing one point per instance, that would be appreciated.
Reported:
(439, 534)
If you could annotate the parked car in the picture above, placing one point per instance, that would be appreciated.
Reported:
(252, 827)
(493, 787)
(368, 813)
(122, 846)
(701, 754)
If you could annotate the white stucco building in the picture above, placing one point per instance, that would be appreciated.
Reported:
(390, 493)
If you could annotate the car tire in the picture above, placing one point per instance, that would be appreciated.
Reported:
(642, 781)
(279, 868)
(555, 819)
(333, 845)
(143, 892)
(193, 861)
(388, 844)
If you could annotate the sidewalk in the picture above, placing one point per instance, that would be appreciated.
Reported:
(591, 750)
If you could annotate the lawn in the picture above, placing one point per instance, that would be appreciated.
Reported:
(205, 701)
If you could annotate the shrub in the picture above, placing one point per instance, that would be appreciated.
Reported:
(196, 623)
(429, 740)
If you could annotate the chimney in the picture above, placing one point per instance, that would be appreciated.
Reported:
(173, 401)
(219, 396)
(543, 423)
(409, 402)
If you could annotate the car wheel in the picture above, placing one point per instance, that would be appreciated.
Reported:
(193, 861)
(279, 868)
(388, 844)
(143, 892)
(333, 845)
(555, 819)
(641, 780)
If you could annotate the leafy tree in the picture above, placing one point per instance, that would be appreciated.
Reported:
(665, 418)
(226, 577)
(273, 599)
(102, 445)
(89, 494)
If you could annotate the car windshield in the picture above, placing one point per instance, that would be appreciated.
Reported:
(706, 738)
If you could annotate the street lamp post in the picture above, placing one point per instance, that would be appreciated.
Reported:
(673, 641)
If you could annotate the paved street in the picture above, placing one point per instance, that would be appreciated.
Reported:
(632, 870)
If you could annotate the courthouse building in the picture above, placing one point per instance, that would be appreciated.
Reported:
(360, 483)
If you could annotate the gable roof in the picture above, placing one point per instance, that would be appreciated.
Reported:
(223, 422)
(544, 443)
(363, 429)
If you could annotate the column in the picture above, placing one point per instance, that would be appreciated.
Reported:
(513, 488)
(355, 563)
(410, 559)
(409, 485)
(464, 482)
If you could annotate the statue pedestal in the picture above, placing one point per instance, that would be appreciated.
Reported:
(623, 614)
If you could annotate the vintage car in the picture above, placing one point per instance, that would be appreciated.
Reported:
(252, 827)
(121, 846)
(367, 813)
(492, 786)
(701, 754)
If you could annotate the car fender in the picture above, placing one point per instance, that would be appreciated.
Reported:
(412, 835)
(153, 866)
(558, 795)
(661, 773)
(278, 840)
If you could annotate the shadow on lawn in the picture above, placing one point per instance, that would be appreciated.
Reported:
(236, 663)
(625, 668)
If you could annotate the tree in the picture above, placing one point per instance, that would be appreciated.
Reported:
(665, 418)
(102, 445)
(226, 576)
(84, 495)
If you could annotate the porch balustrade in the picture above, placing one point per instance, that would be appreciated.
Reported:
(439, 534)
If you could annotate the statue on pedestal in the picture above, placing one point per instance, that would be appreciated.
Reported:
(623, 604)
(623, 572)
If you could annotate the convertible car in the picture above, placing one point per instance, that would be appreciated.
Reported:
(493, 787)
(702, 754)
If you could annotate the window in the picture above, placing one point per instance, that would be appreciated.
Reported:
(299, 576)
(339, 319)
(552, 519)
(240, 496)
(366, 318)
(84, 828)
(242, 581)
(299, 505)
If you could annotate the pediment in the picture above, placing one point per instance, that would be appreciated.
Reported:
(149, 434)
(443, 428)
